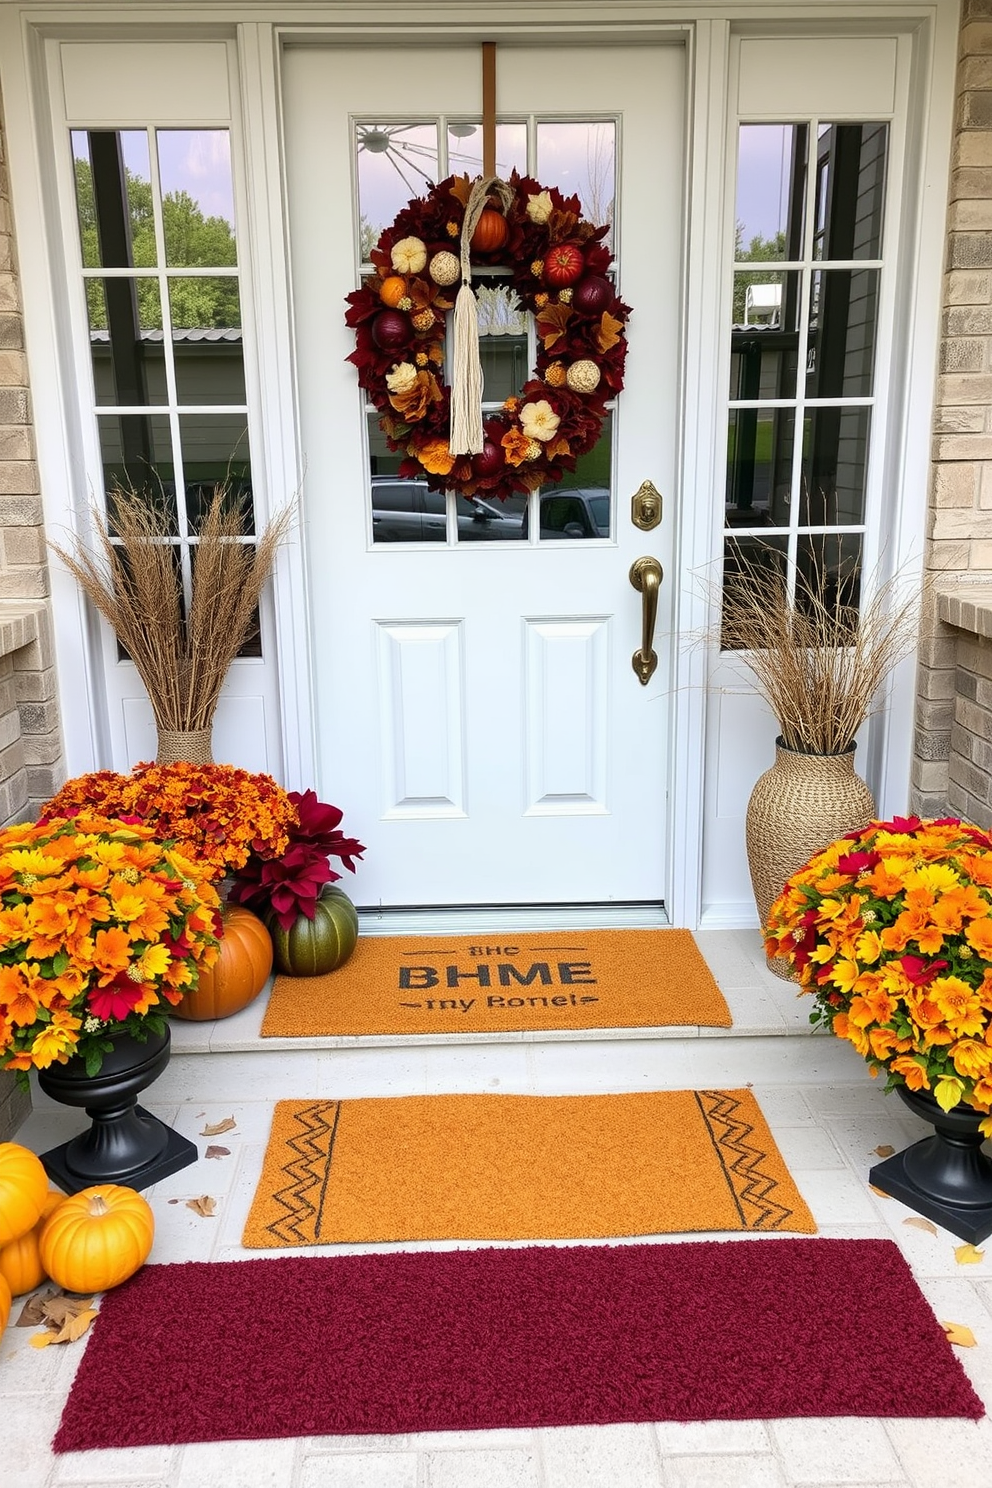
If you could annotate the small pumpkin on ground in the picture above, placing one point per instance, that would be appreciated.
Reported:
(23, 1186)
(5, 1301)
(20, 1259)
(97, 1238)
(239, 973)
(314, 947)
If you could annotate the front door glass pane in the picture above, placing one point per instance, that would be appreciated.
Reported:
(465, 149)
(580, 159)
(395, 163)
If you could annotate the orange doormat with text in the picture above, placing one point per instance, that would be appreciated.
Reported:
(520, 1167)
(563, 979)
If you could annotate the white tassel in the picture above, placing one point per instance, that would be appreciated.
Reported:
(465, 437)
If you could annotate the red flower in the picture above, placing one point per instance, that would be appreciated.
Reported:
(116, 999)
(857, 862)
(906, 825)
(921, 972)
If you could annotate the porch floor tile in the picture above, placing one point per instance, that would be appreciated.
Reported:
(827, 1128)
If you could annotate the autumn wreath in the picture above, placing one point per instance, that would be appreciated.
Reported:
(558, 265)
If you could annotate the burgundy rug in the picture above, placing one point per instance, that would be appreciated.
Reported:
(537, 1336)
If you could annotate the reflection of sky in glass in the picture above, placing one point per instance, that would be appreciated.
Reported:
(134, 148)
(389, 177)
(577, 157)
(580, 159)
(763, 164)
(198, 161)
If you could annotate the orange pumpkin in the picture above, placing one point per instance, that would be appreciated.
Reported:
(239, 973)
(491, 231)
(97, 1238)
(23, 1186)
(20, 1261)
(392, 290)
(5, 1301)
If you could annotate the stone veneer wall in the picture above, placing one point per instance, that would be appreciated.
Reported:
(959, 550)
(31, 757)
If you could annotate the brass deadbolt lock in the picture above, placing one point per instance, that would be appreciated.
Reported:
(645, 507)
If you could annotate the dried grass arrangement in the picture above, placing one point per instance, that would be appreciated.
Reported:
(817, 656)
(181, 640)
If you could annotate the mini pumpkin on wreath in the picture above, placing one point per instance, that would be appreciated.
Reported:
(558, 266)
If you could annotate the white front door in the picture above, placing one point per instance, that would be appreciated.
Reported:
(479, 719)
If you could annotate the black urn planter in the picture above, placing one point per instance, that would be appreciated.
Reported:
(124, 1144)
(946, 1177)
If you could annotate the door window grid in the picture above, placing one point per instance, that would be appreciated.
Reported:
(456, 144)
(790, 297)
(177, 448)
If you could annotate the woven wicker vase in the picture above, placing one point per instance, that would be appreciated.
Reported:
(193, 746)
(797, 807)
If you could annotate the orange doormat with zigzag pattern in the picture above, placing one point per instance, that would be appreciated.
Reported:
(520, 1167)
(561, 979)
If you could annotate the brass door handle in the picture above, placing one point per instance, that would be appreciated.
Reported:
(646, 575)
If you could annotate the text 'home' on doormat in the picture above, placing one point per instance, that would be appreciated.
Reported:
(503, 983)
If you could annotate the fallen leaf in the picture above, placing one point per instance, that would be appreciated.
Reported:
(228, 1124)
(967, 1255)
(32, 1313)
(56, 1310)
(73, 1328)
(880, 1191)
(959, 1334)
(884, 1150)
(217, 1152)
(204, 1205)
(922, 1224)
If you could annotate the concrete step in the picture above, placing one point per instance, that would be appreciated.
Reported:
(770, 1042)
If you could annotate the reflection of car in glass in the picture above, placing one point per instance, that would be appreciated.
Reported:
(581, 513)
(405, 511)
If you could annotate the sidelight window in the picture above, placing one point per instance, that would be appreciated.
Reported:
(159, 261)
(808, 256)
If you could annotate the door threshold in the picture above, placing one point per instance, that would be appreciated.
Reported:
(491, 919)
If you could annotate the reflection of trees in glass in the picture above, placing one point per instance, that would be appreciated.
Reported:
(192, 240)
(759, 250)
(598, 198)
(368, 236)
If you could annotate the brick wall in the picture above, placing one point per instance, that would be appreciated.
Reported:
(959, 550)
(31, 764)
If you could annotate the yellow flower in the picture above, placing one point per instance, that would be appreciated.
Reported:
(402, 378)
(56, 1041)
(869, 946)
(971, 1059)
(938, 878)
(539, 420)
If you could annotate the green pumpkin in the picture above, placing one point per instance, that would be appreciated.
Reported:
(313, 947)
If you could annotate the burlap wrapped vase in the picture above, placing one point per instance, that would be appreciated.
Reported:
(799, 806)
